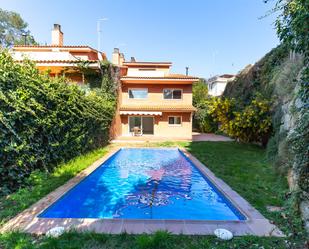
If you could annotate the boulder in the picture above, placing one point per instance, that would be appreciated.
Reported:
(223, 234)
(55, 231)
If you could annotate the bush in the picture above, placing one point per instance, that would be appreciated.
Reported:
(204, 121)
(214, 113)
(221, 110)
(44, 121)
(253, 124)
(210, 110)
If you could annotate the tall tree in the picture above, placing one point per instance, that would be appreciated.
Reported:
(200, 92)
(292, 24)
(13, 29)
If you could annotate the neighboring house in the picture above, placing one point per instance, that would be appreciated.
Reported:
(60, 59)
(217, 84)
(152, 101)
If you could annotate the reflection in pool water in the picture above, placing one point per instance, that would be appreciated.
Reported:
(145, 184)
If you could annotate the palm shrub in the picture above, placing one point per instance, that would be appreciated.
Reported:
(44, 121)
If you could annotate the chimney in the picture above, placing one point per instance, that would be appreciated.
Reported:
(57, 36)
(116, 57)
(121, 59)
(133, 59)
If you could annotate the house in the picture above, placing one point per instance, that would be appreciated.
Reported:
(59, 59)
(152, 102)
(217, 84)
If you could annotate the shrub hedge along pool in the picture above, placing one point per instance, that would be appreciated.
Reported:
(44, 121)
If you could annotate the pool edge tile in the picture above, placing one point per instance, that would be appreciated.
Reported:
(28, 221)
(175, 227)
(133, 226)
(152, 226)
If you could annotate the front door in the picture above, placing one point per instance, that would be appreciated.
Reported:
(144, 123)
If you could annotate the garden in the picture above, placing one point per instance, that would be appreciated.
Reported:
(50, 131)
(244, 167)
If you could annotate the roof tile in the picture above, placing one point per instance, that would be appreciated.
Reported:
(60, 61)
(52, 46)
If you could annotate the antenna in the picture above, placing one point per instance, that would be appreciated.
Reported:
(99, 31)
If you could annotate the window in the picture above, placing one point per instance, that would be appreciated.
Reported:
(172, 94)
(138, 93)
(175, 121)
(146, 69)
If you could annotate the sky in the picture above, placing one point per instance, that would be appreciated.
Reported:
(209, 36)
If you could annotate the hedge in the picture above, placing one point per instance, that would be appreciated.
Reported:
(44, 121)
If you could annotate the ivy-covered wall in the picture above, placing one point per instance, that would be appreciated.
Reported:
(278, 77)
(275, 78)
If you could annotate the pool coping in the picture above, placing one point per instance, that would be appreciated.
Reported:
(255, 224)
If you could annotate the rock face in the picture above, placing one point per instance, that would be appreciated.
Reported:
(304, 209)
(277, 77)
(274, 209)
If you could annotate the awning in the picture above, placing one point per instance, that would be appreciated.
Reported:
(140, 113)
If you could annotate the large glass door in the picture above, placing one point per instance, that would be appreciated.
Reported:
(147, 124)
(144, 124)
(134, 123)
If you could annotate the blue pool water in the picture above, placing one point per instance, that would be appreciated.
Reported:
(145, 184)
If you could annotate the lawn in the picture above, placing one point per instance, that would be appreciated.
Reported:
(40, 184)
(243, 167)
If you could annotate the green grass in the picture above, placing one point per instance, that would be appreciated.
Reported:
(243, 167)
(158, 240)
(42, 183)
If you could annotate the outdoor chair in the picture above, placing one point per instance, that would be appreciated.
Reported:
(137, 131)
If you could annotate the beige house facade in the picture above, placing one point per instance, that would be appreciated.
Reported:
(152, 102)
(58, 59)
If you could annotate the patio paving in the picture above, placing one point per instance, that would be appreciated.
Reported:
(196, 136)
(199, 137)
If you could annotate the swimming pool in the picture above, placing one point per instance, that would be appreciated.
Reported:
(145, 183)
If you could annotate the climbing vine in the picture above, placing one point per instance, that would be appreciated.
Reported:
(44, 121)
(292, 28)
